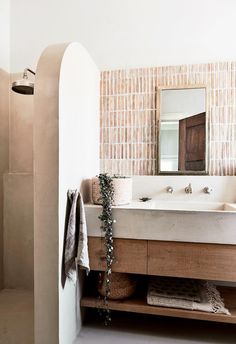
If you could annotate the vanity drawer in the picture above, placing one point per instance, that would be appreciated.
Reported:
(130, 255)
(203, 261)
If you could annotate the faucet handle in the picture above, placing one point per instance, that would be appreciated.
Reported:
(207, 190)
(170, 189)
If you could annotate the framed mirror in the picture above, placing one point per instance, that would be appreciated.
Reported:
(182, 130)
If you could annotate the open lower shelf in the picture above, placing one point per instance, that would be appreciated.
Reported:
(138, 304)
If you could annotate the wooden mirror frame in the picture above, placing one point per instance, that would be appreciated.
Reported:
(158, 115)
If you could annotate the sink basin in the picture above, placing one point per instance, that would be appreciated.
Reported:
(194, 206)
(185, 221)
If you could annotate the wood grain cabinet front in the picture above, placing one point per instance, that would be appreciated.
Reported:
(161, 258)
(130, 255)
(202, 261)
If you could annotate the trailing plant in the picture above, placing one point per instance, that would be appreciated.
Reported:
(107, 194)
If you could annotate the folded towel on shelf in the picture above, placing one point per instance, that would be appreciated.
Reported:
(177, 288)
(75, 250)
(179, 294)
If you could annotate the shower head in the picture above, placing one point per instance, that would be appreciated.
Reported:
(24, 85)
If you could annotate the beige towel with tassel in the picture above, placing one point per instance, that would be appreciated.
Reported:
(82, 258)
(75, 253)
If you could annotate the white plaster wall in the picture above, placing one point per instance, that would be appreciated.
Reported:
(66, 143)
(223, 188)
(5, 34)
(126, 33)
(78, 155)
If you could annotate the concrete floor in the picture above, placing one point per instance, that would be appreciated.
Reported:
(16, 326)
(16, 317)
(142, 329)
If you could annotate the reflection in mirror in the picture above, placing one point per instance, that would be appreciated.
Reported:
(182, 130)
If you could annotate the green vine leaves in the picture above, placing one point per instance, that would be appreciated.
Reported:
(107, 194)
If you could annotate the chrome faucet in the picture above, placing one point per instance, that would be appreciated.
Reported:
(189, 189)
(170, 189)
(207, 190)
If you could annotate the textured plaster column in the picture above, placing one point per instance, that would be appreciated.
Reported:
(4, 151)
(66, 151)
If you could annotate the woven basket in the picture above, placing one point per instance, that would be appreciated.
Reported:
(122, 191)
(122, 286)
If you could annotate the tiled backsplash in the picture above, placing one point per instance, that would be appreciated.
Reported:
(128, 110)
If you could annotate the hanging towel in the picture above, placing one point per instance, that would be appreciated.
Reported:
(75, 250)
(82, 258)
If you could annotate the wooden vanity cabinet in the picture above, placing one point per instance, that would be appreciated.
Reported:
(201, 261)
(167, 258)
(130, 255)
(162, 258)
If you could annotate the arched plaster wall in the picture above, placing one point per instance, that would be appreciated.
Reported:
(66, 144)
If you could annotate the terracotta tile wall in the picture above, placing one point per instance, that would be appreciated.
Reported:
(127, 115)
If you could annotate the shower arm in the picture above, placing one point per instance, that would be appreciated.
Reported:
(25, 76)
